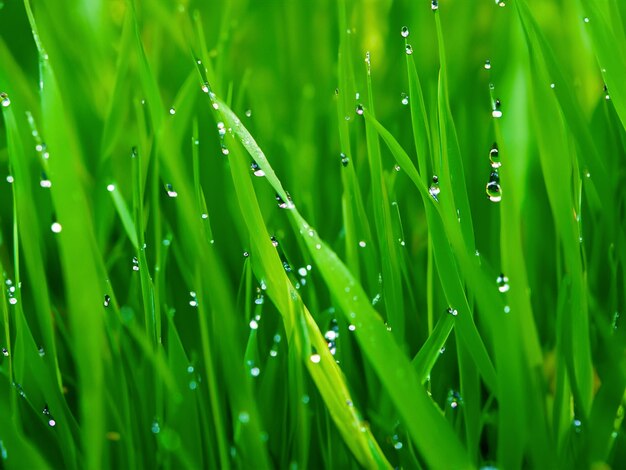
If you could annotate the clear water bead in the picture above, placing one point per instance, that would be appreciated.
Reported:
(503, 283)
(404, 32)
(4, 99)
(56, 227)
(434, 5)
(344, 159)
(494, 156)
(404, 99)
(408, 49)
(493, 189)
(434, 188)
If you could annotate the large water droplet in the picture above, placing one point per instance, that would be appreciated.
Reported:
(494, 156)
(493, 190)
(434, 188)
(404, 32)
(4, 99)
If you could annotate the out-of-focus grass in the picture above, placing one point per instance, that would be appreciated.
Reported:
(256, 235)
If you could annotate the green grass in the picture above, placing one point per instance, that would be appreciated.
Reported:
(222, 245)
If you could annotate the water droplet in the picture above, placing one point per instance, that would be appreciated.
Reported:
(259, 297)
(507, 309)
(246, 254)
(274, 240)
(156, 427)
(248, 113)
(368, 63)
(56, 227)
(45, 410)
(503, 283)
(404, 99)
(172, 111)
(606, 93)
(362, 244)
(244, 417)
(434, 188)
(500, 3)
(205, 87)
(170, 190)
(12, 300)
(578, 426)
(397, 444)
(52, 423)
(493, 190)
(404, 32)
(408, 49)
(3, 451)
(452, 311)
(255, 372)
(586, 19)
(487, 64)
(5, 352)
(110, 188)
(359, 109)
(256, 169)
(351, 327)
(135, 264)
(10, 179)
(552, 85)
(285, 204)
(305, 399)
(4, 99)
(454, 399)
(107, 300)
(45, 182)
(434, 5)
(344, 159)
(315, 358)
(193, 302)
(496, 112)
(494, 156)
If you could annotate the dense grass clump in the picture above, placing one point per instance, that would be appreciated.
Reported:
(295, 234)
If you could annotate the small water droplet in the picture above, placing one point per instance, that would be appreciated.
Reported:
(256, 169)
(246, 254)
(552, 85)
(493, 190)
(315, 358)
(362, 244)
(172, 111)
(4, 99)
(135, 264)
(503, 283)
(45, 182)
(352, 327)
(274, 240)
(408, 49)
(359, 109)
(244, 417)
(368, 63)
(255, 372)
(10, 179)
(248, 113)
(454, 399)
(344, 159)
(487, 64)
(434, 189)
(606, 93)
(586, 19)
(496, 112)
(193, 302)
(404, 99)
(452, 311)
(12, 300)
(507, 309)
(404, 32)
(434, 5)
(5, 352)
(500, 3)
(110, 188)
(107, 300)
(288, 204)
(56, 227)
(170, 190)
(205, 87)
(155, 427)
(494, 156)
(302, 272)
